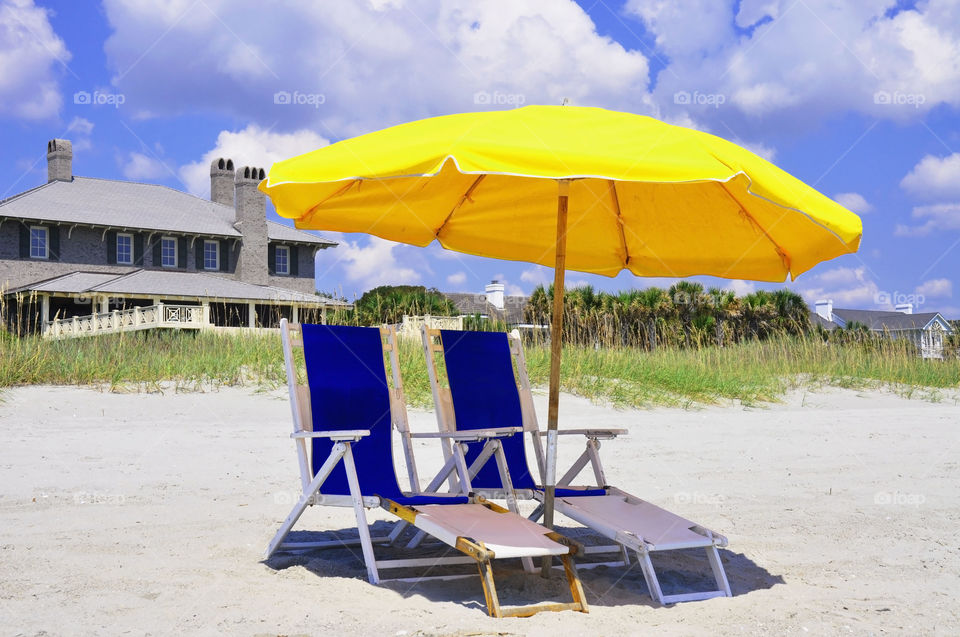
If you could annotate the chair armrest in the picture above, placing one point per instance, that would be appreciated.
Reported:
(473, 434)
(346, 434)
(606, 434)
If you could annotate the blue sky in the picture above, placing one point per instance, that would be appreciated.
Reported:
(858, 99)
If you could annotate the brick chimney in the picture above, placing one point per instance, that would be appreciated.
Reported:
(251, 214)
(825, 309)
(494, 292)
(59, 160)
(221, 181)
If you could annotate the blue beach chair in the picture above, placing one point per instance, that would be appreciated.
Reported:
(482, 392)
(343, 418)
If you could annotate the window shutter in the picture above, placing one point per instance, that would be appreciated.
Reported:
(53, 235)
(198, 248)
(182, 253)
(224, 255)
(272, 259)
(111, 247)
(294, 264)
(24, 241)
(156, 252)
(138, 249)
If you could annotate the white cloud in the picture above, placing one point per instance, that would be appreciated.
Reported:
(252, 146)
(457, 279)
(934, 177)
(847, 287)
(138, 167)
(80, 130)
(935, 288)
(797, 62)
(741, 288)
(944, 216)
(369, 265)
(31, 54)
(361, 66)
(537, 275)
(854, 202)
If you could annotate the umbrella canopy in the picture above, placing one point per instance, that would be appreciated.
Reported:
(656, 199)
(579, 188)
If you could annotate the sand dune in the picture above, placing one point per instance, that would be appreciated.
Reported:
(149, 514)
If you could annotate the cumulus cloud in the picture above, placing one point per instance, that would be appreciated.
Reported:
(361, 66)
(934, 177)
(537, 275)
(138, 167)
(944, 216)
(457, 279)
(854, 202)
(80, 130)
(847, 287)
(741, 288)
(367, 264)
(31, 56)
(773, 62)
(252, 146)
(935, 288)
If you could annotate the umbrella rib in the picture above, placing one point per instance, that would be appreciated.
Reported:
(784, 257)
(466, 195)
(616, 208)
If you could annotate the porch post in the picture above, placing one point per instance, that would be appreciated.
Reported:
(295, 313)
(44, 312)
(251, 314)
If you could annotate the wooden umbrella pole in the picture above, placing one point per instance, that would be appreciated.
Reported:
(556, 351)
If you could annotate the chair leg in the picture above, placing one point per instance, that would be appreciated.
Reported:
(336, 453)
(364, 530)
(576, 588)
(719, 574)
(650, 576)
(489, 588)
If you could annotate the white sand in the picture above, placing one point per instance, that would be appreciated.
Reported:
(149, 514)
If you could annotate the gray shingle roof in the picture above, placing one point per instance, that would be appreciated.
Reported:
(470, 304)
(72, 283)
(816, 319)
(883, 320)
(174, 284)
(128, 204)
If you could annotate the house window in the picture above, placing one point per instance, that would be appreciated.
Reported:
(125, 249)
(282, 266)
(211, 255)
(168, 252)
(39, 243)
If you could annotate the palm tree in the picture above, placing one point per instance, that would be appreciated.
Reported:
(758, 313)
(688, 297)
(726, 308)
(793, 315)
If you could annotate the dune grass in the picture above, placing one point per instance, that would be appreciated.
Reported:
(753, 372)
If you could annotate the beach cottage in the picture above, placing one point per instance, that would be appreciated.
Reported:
(82, 255)
(926, 330)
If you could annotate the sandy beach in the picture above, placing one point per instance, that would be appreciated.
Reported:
(148, 514)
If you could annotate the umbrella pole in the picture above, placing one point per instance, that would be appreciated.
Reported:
(556, 350)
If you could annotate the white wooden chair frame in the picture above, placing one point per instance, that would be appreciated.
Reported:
(626, 540)
(473, 550)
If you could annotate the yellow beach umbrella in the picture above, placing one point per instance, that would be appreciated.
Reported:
(575, 188)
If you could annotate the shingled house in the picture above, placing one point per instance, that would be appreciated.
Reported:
(926, 330)
(493, 304)
(80, 246)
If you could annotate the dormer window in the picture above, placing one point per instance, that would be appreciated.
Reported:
(282, 264)
(39, 243)
(211, 255)
(168, 252)
(124, 248)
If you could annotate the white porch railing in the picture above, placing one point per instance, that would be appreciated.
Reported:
(182, 317)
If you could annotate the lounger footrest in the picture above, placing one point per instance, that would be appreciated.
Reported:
(485, 531)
